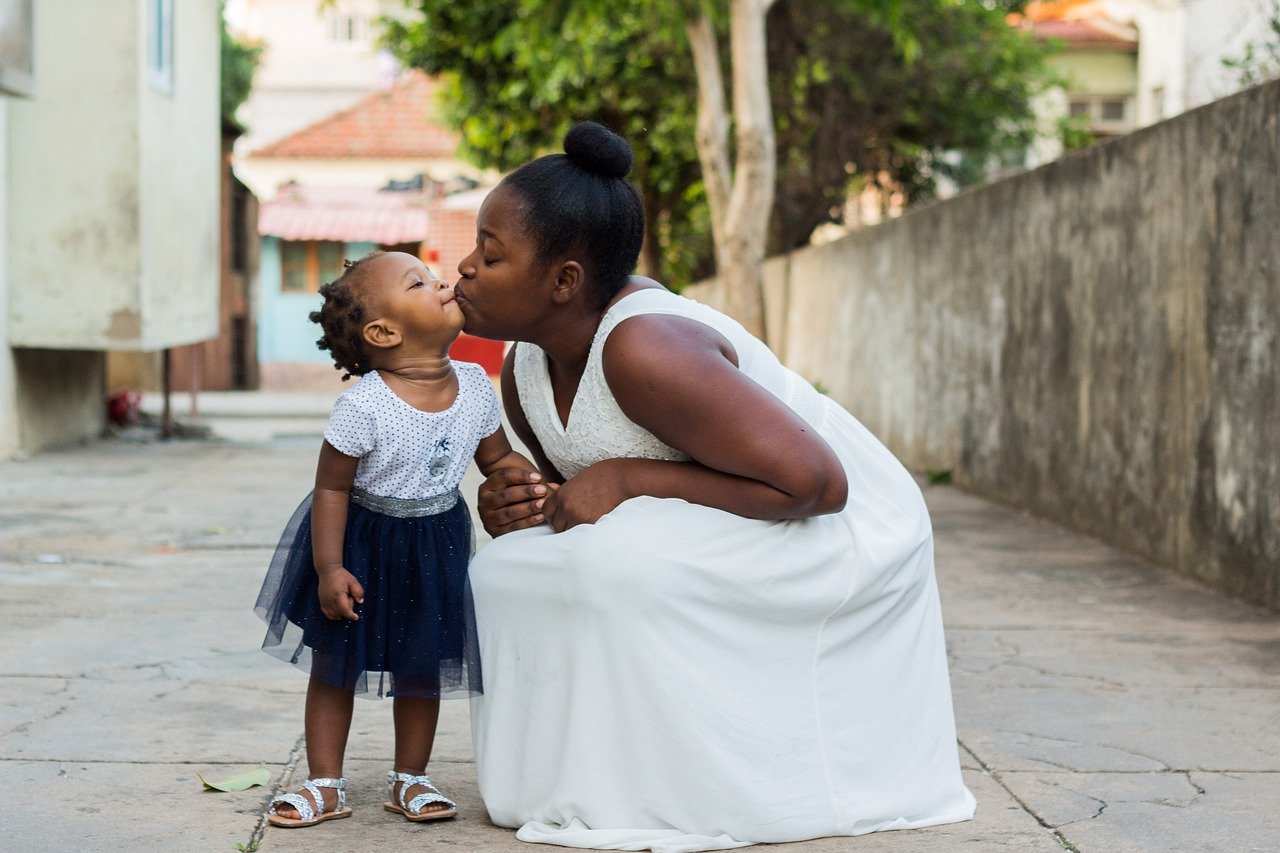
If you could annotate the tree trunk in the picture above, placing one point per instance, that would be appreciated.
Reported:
(740, 203)
(651, 246)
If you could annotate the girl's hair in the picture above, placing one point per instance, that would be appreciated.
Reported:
(581, 203)
(342, 318)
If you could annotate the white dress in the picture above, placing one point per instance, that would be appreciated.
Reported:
(677, 678)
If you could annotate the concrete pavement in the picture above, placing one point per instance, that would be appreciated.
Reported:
(1101, 704)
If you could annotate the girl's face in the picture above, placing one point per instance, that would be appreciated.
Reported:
(404, 293)
(503, 289)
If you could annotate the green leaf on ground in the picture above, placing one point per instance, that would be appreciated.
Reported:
(938, 476)
(257, 776)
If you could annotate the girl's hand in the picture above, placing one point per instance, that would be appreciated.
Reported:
(586, 498)
(340, 592)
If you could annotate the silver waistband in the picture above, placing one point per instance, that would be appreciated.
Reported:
(406, 507)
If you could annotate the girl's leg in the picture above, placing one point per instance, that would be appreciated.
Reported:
(327, 723)
(415, 720)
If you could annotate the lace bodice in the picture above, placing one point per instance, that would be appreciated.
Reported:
(598, 429)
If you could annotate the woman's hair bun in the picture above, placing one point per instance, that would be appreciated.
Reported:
(598, 150)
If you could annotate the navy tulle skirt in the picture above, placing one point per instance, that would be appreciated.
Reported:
(416, 634)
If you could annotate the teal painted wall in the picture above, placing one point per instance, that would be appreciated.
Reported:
(284, 332)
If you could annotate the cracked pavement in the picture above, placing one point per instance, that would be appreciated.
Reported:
(1101, 704)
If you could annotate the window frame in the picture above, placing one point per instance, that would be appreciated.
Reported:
(310, 264)
(160, 45)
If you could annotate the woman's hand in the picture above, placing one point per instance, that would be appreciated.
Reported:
(340, 592)
(511, 499)
(586, 498)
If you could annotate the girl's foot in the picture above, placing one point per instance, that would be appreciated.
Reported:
(318, 800)
(417, 799)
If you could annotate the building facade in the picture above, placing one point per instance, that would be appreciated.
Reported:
(1128, 64)
(110, 205)
(317, 59)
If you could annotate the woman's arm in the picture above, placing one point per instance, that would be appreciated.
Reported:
(752, 455)
(339, 590)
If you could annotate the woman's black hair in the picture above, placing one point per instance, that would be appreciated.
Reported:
(342, 318)
(581, 203)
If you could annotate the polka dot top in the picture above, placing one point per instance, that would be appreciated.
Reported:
(408, 453)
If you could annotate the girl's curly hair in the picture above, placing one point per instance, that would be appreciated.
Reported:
(342, 318)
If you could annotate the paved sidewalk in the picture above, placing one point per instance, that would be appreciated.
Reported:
(1102, 705)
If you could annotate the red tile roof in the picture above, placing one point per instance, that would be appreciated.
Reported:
(393, 124)
(1093, 33)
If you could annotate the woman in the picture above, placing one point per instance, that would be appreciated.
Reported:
(715, 622)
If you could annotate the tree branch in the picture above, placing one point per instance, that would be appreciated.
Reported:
(713, 130)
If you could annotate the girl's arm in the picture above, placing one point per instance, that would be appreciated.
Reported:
(511, 498)
(495, 454)
(752, 455)
(339, 589)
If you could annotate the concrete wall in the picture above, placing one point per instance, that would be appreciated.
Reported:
(117, 182)
(180, 151)
(1096, 341)
(8, 401)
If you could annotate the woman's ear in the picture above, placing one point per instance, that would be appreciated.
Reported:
(570, 279)
(381, 334)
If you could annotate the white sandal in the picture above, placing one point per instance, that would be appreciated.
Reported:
(307, 815)
(412, 810)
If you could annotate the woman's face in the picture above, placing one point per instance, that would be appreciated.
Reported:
(501, 292)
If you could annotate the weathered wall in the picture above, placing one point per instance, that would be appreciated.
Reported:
(60, 397)
(8, 403)
(1096, 341)
(117, 181)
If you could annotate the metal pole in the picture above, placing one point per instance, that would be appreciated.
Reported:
(166, 390)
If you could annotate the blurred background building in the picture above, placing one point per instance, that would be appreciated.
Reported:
(346, 154)
(1127, 64)
(108, 200)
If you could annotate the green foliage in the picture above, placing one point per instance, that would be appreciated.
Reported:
(239, 62)
(517, 75)
(854, 111)
(868, 92)
(1260, 60)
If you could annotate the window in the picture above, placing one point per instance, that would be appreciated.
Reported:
(1104, 115)
(306, 264)
(16, 47)
(349, 29)
(160, 45)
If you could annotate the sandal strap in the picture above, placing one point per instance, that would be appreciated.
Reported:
(339, 785)
(306, 810)
(300, 804)
(415, 806)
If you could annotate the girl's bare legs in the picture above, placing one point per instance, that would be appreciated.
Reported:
(328, 721)
(415, 720)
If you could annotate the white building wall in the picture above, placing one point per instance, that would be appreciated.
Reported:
(73, 156)
(179, 152)
(305, 72)
(8, 402)
(117, 181)
(1219, 30)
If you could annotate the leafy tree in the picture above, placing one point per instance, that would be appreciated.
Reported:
(853, 112)
(892, 92)
(515, 82)
(239, 62)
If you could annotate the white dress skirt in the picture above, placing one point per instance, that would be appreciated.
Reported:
(678, 678)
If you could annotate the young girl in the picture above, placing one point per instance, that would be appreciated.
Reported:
(368, 588)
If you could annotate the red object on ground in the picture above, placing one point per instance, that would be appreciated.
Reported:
(124, 408)
(484, 352)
